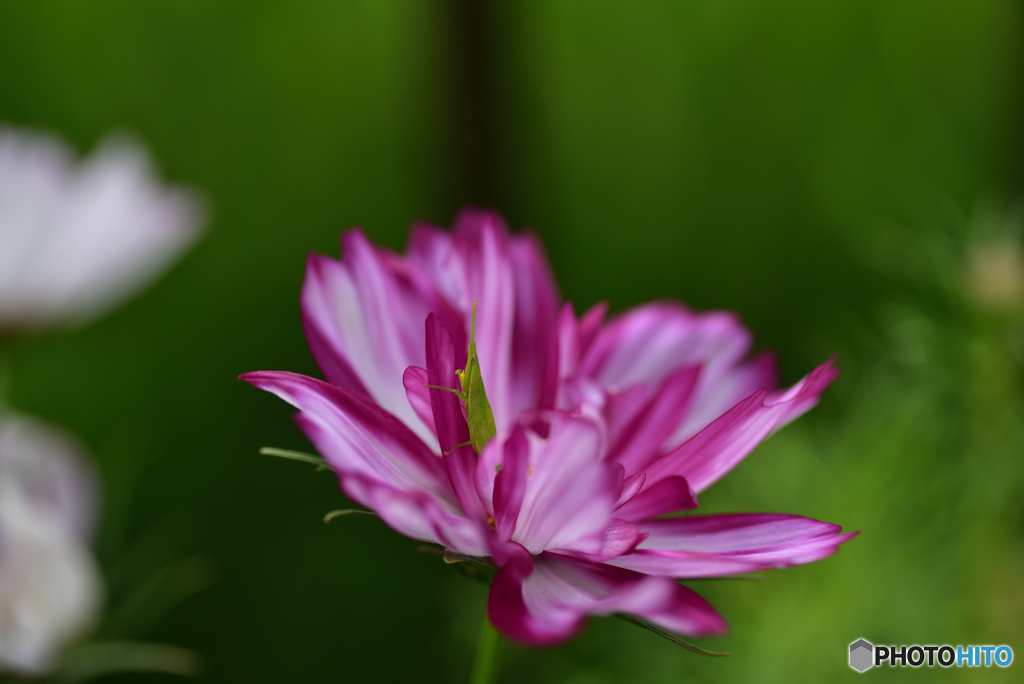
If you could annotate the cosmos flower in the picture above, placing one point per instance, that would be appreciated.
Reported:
(600, 428)
(50, 587)
(77, 238)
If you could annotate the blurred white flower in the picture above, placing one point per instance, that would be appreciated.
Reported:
(77, 238)
(50, 585)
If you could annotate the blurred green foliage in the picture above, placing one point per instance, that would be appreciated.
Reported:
(816, 166)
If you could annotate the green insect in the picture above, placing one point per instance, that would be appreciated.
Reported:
(474, 396)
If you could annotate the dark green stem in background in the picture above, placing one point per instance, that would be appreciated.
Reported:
(488, 649)
(474, 112)
(5, 377)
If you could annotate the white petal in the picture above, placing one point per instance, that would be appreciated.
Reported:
(75, 239)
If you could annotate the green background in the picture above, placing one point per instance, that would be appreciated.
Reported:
(820, 167)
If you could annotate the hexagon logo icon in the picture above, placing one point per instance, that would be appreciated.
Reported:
(861, 655)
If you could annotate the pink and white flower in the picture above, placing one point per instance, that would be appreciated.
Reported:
(603, 427)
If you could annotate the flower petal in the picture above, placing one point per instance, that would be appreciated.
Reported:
(631, 486)
(510, 483)
(621, 536)
(333, 364)
(52, 585)
(665, 496)
(358, 437)
(562, 359)
(621, 408)
(647, 343)
(639, 441)
(713, 399)
(716, 449)
(708, 546)
(361, 318)
(644, 346)
(78, 238)
(542, 601)
(415, 381)
(430, 248)
(777, 539)
(590, 325)
(536, 309)
(509, 279)
(508, 612)
(483, 266)
(570, 489)
(417, 515)
(52, 467)
(682, 564)
(449, 421)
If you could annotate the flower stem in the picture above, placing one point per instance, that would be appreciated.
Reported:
(485, 664)
(5, 383)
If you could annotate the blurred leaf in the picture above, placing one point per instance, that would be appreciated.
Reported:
(167, 588)
(97, 659)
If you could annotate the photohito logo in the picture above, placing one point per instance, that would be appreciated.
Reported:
(865, 655)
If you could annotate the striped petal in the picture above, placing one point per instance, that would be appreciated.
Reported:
(363, 318)
(715, 450)
(708, 546)
(543, 600)
(357, 437)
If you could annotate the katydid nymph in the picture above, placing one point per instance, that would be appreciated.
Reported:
(478, 410)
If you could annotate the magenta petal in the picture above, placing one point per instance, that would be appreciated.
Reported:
(621, 536)
(483, 266)
(716, 449)
(666, 496)
(361, 317)
(430, 248)
(415, 382)
(461, 467)
(620, 480)
(544, 602)
(715, 397)
(358, 437)
(631, 487)
(489, 464)
(325, 349)
(510, 483)
(509, 613)
(639, 442)
(803, 396)
(562, 357)
(449, 421)
(590, 325)
(681, 610)
(775, 540)
(570, 490)
(682, 564)
(623, 408)
(709, 546)
(536, 308)
(647, 343)
(417, 515)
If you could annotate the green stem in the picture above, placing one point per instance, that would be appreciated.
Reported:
(5, 381)
(485, 665)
